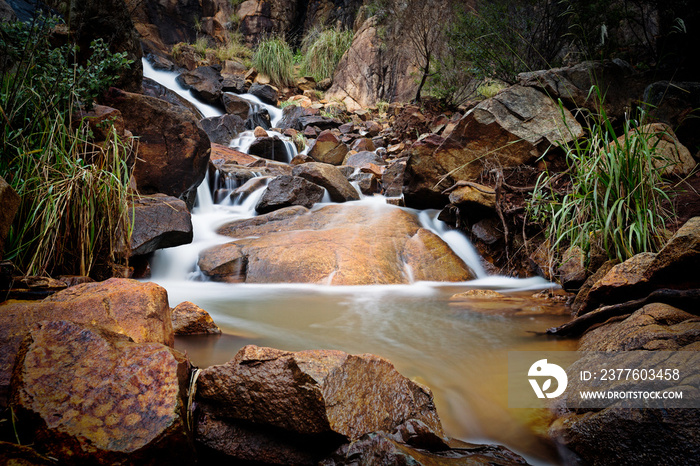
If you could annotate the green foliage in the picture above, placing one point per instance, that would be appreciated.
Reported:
(73, 211)
(503, 38)
(235, 48)
(289, 103)
(274, 58)
(201, 45)
(323, 50)
(616, 195)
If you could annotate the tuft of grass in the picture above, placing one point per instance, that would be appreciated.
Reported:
(490, 88)
(323, 50)
(616, 196)
(274, 58)
(235, 48)
(289, 103)
(201, 45)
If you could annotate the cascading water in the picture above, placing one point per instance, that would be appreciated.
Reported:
(459, 352)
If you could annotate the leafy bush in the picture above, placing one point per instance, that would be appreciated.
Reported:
(73, 211)
(323, 50)
(274, 58)
(616, 195)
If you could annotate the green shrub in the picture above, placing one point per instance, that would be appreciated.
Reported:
(323, 50)
(235, 48)
(616, 196)
(73, 212)
(274, 58)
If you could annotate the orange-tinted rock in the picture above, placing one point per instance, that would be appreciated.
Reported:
(87, 395)
(329, 177)
(338, 245)
(363, 144)
(313, 393)
(12, 454)
(671, 157)
(137, 310)
(328, 149)
(190, 319)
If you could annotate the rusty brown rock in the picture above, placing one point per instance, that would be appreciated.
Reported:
(190, 319)
(84, 394)
(363, 144)
(572, 270)
(159, 221)
(431, 259)
(474, 195)
(137, 310)
(285, 191)
(368, 243)
(12, 454)
(313, 393)
(328, 149)
(173, 151)
(329, 177)
(670, 156)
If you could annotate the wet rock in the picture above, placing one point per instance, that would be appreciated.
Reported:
(619, 434)
(260, 132)
(617, 80)
(312, 394)
(190, 319)
(261, 224)
(85, 394)
(137, 310)
(235, 105)
(155, 89)
(671, 157)
(328, 149)
(511, 129)
(370, 245)
(393, 178)
(329, 177)
(205, 83)
(226, 263)
(367, 182)
(173, 152)
(233, 83)
(222, 129)
(264, 92)
(9, 204)
(362, 158)
(159, 221)
(259, 118)
(250, 186)
(286, 191)
(572, 270)
(221, 155)
(271, 148)
(413, 443)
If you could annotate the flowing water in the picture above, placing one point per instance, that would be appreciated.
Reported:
(458, 350)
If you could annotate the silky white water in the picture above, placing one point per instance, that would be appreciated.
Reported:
(460, 352)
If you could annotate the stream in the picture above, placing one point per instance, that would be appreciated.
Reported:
(459, 351)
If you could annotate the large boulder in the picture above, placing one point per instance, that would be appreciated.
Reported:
(154, 89)
(269, 147)
(617, 81)
(205, 83)
(328, 149)
(619, 434)
(513, 128)
(235, 105)
(160, 221)
(9, 204)
(222, 129)
(264, 92)
(338, 245)
(137, 310)
(329, 177)
(286, 191)
(670, 156)
(85, 395)
(322, 396)
(173, 151)
(370, 72)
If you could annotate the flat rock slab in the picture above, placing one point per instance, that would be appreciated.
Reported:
(337, 245)
(83, 394)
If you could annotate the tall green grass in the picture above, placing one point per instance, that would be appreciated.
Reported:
(322, 51)
(73, 212)
(617, 196)
(273, 57)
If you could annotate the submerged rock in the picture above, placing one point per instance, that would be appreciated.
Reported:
(339, 245)
(319, 398)
(86, 395)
